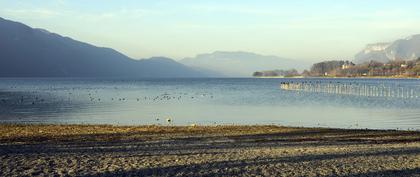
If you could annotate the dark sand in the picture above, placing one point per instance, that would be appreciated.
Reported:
(77, 150)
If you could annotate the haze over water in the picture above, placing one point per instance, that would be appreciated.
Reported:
(203, 102)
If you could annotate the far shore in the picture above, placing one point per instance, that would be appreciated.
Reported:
(304, 77)
(106, 150)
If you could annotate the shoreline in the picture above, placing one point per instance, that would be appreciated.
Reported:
(193, 125)
(107, 150)
(303, 77)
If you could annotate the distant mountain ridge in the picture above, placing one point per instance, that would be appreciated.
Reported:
(30, 52)
(240, 64)
(402, 49)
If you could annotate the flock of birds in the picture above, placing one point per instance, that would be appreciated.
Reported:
(158, 98)
(94, 96)
(53, 94)
(22, 100)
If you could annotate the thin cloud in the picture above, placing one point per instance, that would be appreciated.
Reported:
(35, 13)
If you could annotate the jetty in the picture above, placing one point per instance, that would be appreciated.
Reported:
(353, 88)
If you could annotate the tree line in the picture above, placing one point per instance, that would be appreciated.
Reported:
(341, 68)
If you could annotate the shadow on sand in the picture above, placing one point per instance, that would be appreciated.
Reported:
(132, 145)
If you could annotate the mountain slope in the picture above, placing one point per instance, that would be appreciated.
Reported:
(402, 49)
(240, 64)
(29, 52)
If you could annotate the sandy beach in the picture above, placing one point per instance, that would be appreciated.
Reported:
(104, 150)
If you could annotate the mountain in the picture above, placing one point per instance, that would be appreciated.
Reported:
(240, 64)
(166, 67)
(29, 52)
(402, 49)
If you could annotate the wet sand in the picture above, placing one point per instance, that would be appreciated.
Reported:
(101, 150)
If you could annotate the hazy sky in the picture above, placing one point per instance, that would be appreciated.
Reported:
(300, 29)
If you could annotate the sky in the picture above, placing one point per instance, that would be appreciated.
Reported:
(310, 30)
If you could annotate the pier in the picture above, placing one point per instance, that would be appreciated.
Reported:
(356, 89)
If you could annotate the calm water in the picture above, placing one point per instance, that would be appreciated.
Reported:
(205, 101)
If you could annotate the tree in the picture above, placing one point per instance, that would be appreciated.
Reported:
(416, 70)
(375, 64)
(306, 73)
(258, 74)
(318, 69)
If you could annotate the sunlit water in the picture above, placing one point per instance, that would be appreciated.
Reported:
(204, 102)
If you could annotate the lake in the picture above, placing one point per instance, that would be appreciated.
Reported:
(211, 101)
